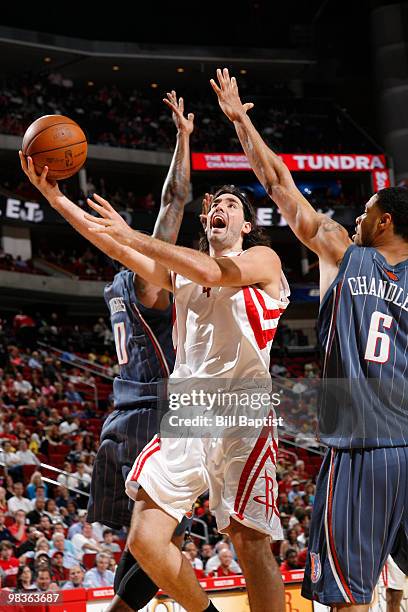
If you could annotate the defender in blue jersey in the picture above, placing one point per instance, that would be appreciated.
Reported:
(141, 318)
(360, 515)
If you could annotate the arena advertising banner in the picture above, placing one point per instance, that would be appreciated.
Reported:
(13, 210)
(228, 594)
(304, 162)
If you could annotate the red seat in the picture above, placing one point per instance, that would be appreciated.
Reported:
(88, 560)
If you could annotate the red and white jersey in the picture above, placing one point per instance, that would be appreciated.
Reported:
(224, 332)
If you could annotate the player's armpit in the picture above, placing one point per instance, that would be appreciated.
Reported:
(331, 240)
(257, 265)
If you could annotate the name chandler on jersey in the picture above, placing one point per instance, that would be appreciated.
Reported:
(116, 304)
(383, 289)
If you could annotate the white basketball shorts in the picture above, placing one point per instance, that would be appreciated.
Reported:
(239, 472)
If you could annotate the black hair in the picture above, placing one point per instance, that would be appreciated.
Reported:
(394, 200)
(255, 237)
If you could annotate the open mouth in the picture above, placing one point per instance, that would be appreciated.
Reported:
(218, 221)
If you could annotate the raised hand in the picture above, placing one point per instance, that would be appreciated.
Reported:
(48, 188)
(207, 201)
(228, 96)
(182, 123)
(110, 222)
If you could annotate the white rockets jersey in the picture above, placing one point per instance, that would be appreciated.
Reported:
(224, 332)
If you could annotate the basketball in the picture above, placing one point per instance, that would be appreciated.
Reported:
(57, 142)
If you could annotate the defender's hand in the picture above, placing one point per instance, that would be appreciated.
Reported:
(228, 96)
(182, 123)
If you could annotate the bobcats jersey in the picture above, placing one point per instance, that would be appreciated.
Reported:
(143, 342)
(363, 324)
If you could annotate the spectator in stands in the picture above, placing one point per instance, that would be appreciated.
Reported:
(71, 395)
(8, 563)
(8, 456)
(310, 489)
(42, 545)
(4, 531)
(65, 479)
(18, 529)
(285, 523)
(226, 562)
(61, 544)
(52, 438)
(84, 542)
(71, 517)
(99, 576)
(82, 482)
(290, 542)
(45, 526)
(291, 561)
(48, 388)
(304, 525)
(192, 553)
(63, 499)
(34, 361)
(38, 511)
(18, 502)
(35, 482)
(294, 491)
(78, 523)
(76, 578)
(57, 566)
(206, 552)
(53, 512)
(25, 582)
(215, 561)
(28, 547)
(21, 386)
(69, 425)
(107, 544)
(44, 581)
(25, 456)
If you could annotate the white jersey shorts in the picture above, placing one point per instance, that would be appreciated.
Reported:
(239, 472)
(396, 579)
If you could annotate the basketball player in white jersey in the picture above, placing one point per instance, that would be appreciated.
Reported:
(228, 304)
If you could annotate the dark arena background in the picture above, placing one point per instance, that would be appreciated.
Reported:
(329, 81)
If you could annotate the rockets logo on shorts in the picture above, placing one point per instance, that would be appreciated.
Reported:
(316, 566)
(268, 499)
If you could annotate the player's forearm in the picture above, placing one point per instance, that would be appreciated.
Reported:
(175, 192)
(75, 217)
(146, 268)
(198, 267)
(266, 164)
(277, 181)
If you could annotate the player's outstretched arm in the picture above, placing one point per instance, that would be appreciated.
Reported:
(257, 265)
(322, 235)
(74, 215)
(177, 184)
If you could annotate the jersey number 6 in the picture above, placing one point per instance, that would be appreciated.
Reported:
(378, 343)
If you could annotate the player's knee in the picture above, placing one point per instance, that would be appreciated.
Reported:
(248, 541)
(139, 541)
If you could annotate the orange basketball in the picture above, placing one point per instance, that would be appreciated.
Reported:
(57, 142)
